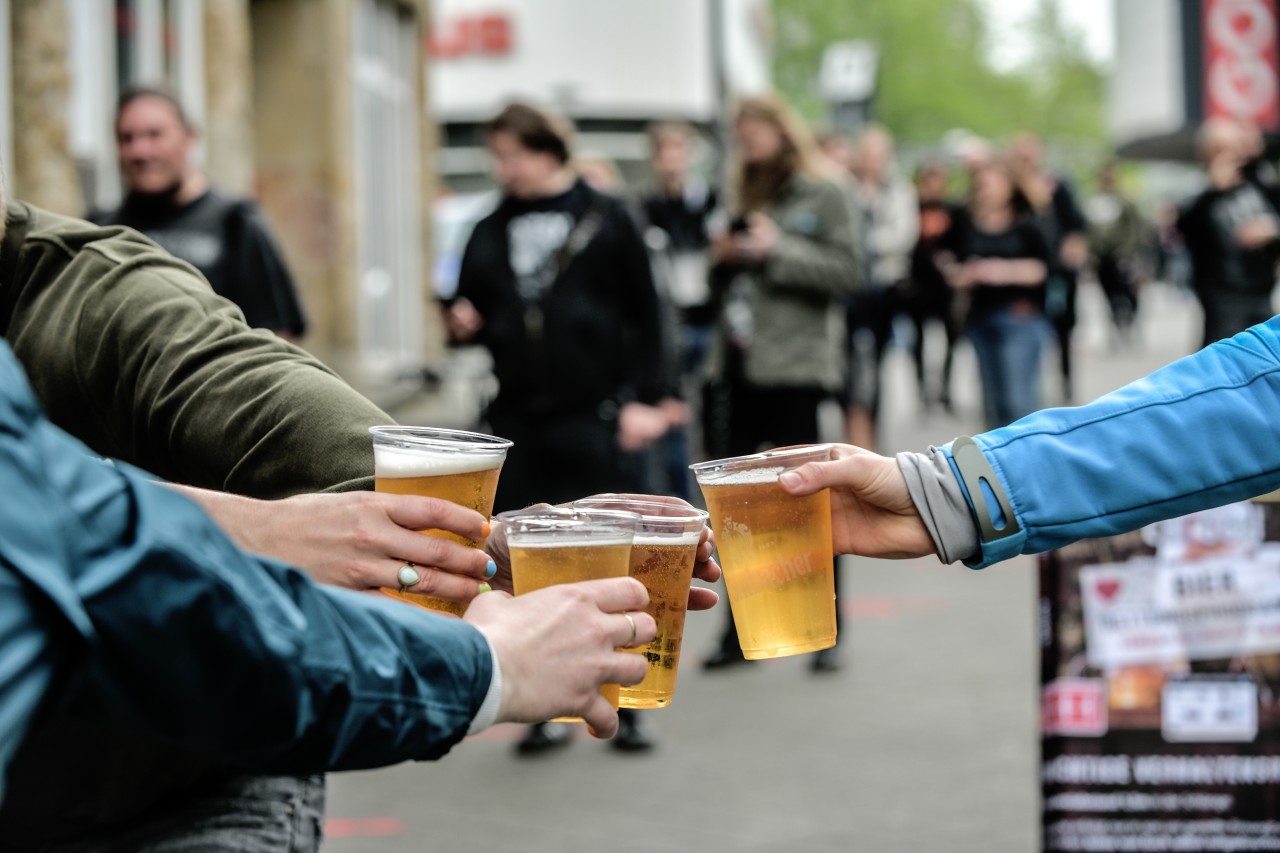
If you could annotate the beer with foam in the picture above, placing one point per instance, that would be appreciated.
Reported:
(555, 546)
(775, 550)
(451, 465)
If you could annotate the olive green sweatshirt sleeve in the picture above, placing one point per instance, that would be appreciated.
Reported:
(132, 352)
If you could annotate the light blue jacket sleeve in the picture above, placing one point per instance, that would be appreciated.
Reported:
(126, 596)
(1202, 432)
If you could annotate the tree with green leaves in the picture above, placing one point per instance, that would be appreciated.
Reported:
(935, 74)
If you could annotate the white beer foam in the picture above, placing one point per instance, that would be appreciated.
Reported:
(394, 462)
(673, 539)
(752, 477)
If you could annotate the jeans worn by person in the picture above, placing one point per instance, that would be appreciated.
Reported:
(1009, 345)
(251, 814)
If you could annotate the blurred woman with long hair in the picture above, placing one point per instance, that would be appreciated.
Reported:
(783, 270)
(995, 255)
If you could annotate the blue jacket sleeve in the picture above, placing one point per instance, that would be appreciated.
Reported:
(171, 629)
(1203, 431)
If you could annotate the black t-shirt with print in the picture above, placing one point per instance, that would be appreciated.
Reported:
(599, 337)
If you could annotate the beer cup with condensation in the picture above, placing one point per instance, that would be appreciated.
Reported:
(662, 557)
(558, 545)
(775, 550)
(452, 465)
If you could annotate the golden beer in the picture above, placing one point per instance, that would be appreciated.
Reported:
(776, 553)
(662, 558)
(453, 466)
(556, 546)
(665, 570)
(537, 566)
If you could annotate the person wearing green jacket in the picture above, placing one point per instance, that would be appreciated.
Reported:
(131, 351)
(784, 270)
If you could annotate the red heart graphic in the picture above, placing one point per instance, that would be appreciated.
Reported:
(1107, 589)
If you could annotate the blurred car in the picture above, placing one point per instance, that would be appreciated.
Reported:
(455, 216)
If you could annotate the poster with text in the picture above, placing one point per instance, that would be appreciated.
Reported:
(1160, 687)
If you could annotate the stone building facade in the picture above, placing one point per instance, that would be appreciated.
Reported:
(315, 107)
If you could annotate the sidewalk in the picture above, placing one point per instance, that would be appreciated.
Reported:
(926, 740)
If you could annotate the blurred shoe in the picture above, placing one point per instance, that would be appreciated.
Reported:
(544, 737)
(633, 735)
(826, 660)
(722, 657)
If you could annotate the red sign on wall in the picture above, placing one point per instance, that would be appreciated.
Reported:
(464, 35)
(1242, 61)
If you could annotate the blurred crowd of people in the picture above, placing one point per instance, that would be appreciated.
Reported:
(631, 334)
(638, 329)
(683, 319)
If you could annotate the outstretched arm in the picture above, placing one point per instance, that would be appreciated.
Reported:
(1195, 434)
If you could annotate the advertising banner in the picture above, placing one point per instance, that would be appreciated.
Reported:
(1241, 62)
(1160, 677)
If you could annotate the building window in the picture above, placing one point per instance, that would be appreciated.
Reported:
(388, 189)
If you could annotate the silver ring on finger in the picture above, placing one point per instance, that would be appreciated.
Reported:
(631, 643)
(408, 576)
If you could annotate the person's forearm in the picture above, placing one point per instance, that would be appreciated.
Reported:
(237, 516)
(1195, 434)
(192, 640)
(1020, 272)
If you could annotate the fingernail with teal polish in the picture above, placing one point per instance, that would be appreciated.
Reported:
(491, 569)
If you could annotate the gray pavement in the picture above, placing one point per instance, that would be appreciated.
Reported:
(925, 740)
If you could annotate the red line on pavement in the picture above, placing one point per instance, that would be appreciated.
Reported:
(885, 607)
(363, 827)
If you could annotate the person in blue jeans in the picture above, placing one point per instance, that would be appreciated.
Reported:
(1198, 433)
(996, 257)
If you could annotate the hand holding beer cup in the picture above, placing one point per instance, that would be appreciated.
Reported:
(555, 546)
(452, 465)
(777, 551)
(557, 647)
(358, 540)
(872, 513)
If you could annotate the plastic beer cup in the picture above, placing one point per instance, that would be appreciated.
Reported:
(559, 545)
(452, 465)
(775, 550)
(662, 557)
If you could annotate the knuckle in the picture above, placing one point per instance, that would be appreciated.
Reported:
(434, 508)
(428, 583)
(364, 534)
(434, 550)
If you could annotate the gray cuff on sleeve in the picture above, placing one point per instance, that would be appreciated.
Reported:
(942, 506)
(488, 711)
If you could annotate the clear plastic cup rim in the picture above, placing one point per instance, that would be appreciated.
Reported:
(655, 516)
(567, 521)
(786, 459)
(438, 440)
